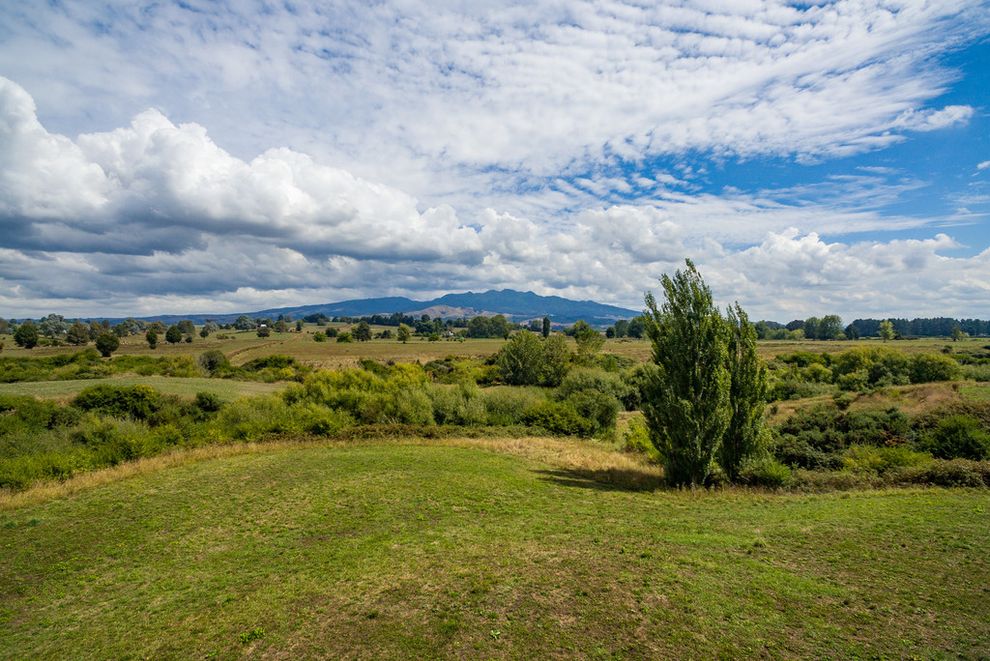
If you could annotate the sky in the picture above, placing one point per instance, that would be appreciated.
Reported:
(194, 156)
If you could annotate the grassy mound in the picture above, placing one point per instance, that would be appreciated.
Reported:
(482, 549)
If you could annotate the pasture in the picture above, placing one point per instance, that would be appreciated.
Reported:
(494, 549)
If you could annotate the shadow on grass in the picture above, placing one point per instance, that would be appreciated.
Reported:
(608, 479)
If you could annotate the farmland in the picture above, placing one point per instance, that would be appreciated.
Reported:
(272, 521)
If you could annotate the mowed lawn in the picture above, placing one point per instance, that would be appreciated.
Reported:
(458, 550)
(227, 389)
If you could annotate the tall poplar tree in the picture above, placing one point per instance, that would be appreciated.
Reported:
(747, 394)
(686, 402)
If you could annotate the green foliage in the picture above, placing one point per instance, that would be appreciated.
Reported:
(957, 437)
(344, 337)
(505, 406)
(107, 343)
(173, 335)
(815, 437)
(362, 332)
(930, 367)
(764, 471)
(589, 341)
(520, 361)
(947, 473)
(319, 336)
(138, 402)
(403, 333)
(583, 379)
(26, 335)
(747, 395)
(882, 460)
(636, 438)
(558, 418)
(528, 360)
(686, 402)
(214, 361)
(151, 337)
(599, 408)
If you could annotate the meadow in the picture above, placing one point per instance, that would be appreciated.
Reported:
(495, 549)
(394, 500)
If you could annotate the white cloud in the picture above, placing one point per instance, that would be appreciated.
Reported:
(983, 165)
(456, 103)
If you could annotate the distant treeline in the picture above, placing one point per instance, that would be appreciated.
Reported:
(925, 327)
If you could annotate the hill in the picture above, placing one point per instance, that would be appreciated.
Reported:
(516, 305)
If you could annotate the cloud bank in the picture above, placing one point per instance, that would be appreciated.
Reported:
(155, 217)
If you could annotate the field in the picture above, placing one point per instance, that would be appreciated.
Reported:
(226, 389)
(482, 549)
(394, 545)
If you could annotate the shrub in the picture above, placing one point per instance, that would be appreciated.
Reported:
(107, 343)
(882, 460)
(957, 437)
(458, 405)
(558, 418)
(636, 438)
(947, 473)
(590, 379)
(344, 337)
(507, 406)
(765, 471)
(213, 361)
(115, 441)
(929, 367)
(138, 402)
(600, 409)
(208, 402)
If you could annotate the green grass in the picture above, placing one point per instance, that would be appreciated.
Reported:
(406, 550)
(227, 389)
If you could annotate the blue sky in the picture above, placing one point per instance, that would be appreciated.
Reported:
(203, 156)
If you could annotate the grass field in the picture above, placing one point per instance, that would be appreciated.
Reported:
(481, 549)
(227, 389)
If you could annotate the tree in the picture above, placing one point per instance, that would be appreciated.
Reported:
(53, 326)
(747, 394)
(812, 328)
(362, 332)
(403, 333)
(299, 326)
(520, 361)
(589, 341)
(830, 327)
(852, 332)
(886, 331)
(204, 332)
(107, 343)
(556, 360)
(546, 327)
(622, 328)
(187, 327)
(244, 322)
(263, 330)
(173, 335)
(686, 399)
(957, 333)
(151, 337)
(637, 327)
(78, 334)
(26, 335)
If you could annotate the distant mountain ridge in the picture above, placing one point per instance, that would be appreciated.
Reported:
(516, 305)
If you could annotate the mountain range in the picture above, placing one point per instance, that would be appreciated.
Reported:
(518, 306)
